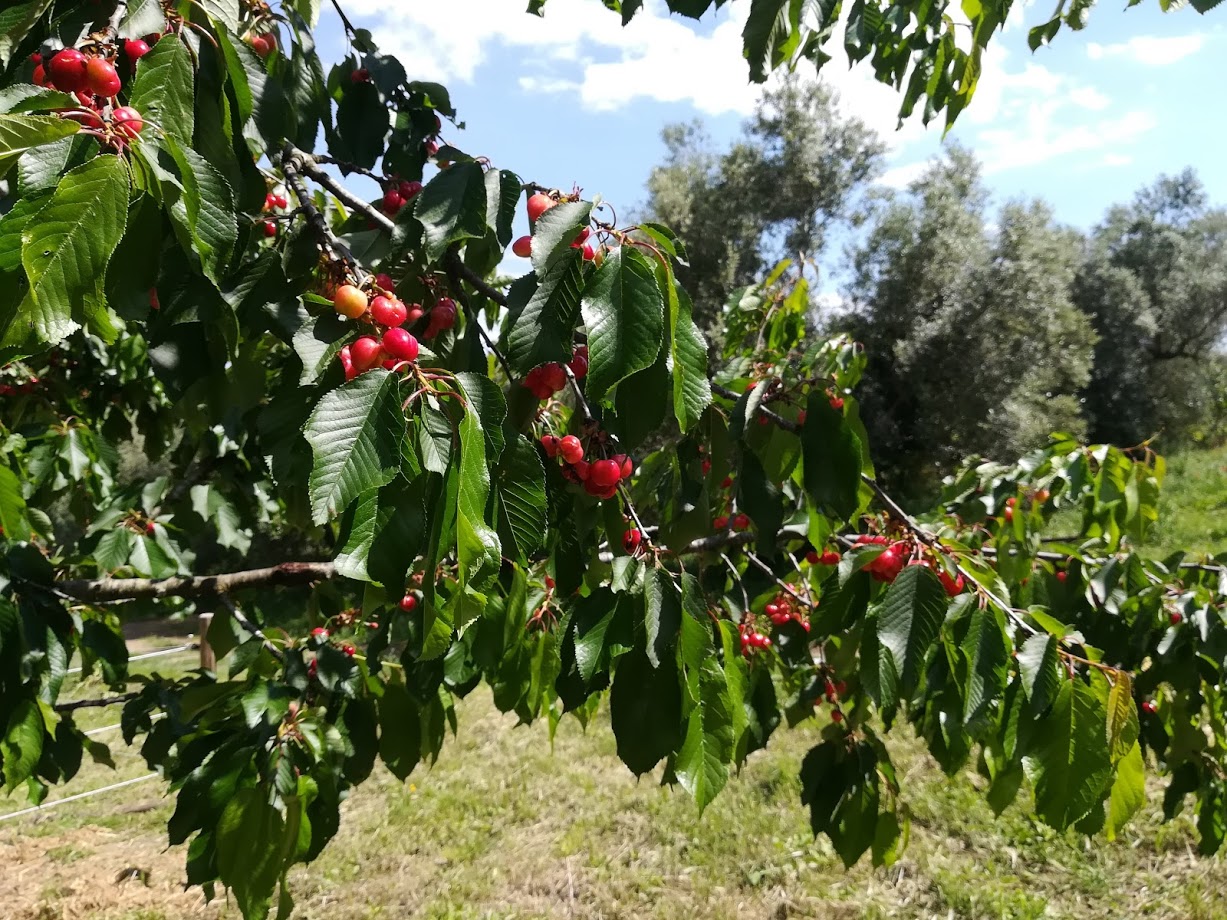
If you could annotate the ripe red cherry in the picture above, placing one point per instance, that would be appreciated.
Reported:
(579, 362)
(388, 311)
(589, 252)
(101, 78)
(631, 540)
(261, 46)
(554, 377)
(270, 228)
(361, 75)
(581, 468)
(135, 49)
(128, 122)
(1149, 707)
(68, 70)
(1175, 618)
(720, 523)
(319, 632)
(270, 201)
(812, 557)
(1008, 515)
(281, 201)
(538, 204)
(772, 610)
(549, 443)
(40, 76)
(1061, 576)
(605, 473)
(400, 345)
(571, 449)
(366, 352)
(392, 201)
(385, 282)
(953, 584)
(523, 247)
(349, 650)
(741, 522)
(408, 603)
(837, 403)
(830, 557)
(151, 528)
(837, 716)
(443, 314)
(626, 466)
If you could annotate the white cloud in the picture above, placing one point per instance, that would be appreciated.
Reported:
(1041, 138)
(1089, 98)
(900, 177)
(656, 56)
(1117, 159)
(1151, 50)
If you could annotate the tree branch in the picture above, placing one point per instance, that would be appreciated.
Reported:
(294, 164)
(96, 703)
(456, 270)
(479, 283)
(309, 166)
(103, 590)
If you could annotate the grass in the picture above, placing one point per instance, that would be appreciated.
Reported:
(504, 827)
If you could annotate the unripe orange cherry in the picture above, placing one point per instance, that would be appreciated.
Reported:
(349, 301)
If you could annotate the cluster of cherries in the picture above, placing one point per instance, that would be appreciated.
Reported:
(273, 204)
(887, 565)
(546, 380)
(599, 478)
(263, 44)
(399, 192)
(826, 557)
(91, 76)
(751, 639)
(785, 608)
(832, 690)
(395, 346)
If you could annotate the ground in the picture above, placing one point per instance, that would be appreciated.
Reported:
(503, 827)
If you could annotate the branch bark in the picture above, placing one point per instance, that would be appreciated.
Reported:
(103, 590)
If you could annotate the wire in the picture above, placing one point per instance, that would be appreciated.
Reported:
(159, 653)
(78, 796)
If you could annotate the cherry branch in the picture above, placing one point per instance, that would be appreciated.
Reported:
(95, 703)
(456, 270)
(251, 627)
(104, 590)
(309, 166)
(479, 284)
(294, 164)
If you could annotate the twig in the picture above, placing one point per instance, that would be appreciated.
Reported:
(293, 165)
(579, 394)
(349, 26)
(785, 586)
(455, 271)
(249, 626)
(309, 166)
(103, 590)
(480, 284)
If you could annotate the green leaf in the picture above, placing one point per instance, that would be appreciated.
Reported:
(163, 90)
(556, 230)
(831, 455)
(209, 210)
(22, 745)
(593, 617)
(520, 481)
(355, 434)
(761, 499)
(250, 847)
(756, 36)
(452, 207)
(984, 649)
(317, 343)
(141, 18)
(624, 312)
(908, 622)
(19, 133)
(13, 523)
(15, 21)
(1037, 665)
(400, 730)
(1128, 793)
(66, 250)
(645, 706)
(1067, 759)
(1122, 717)
(691, 388)
(662, 615)
(362, 128)
(702, 762)
(544, 325)
(839, 783)
(478, 550)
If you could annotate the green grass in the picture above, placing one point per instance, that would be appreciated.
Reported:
(505, 827)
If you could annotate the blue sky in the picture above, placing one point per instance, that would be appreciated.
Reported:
(574, 98)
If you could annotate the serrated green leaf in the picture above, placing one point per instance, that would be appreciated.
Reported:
(831, 458)
(1037, 665)
(163, 90)
(556, 230)
(521, 487)
(65, 252)
(19, 133)
(1128, 793)
(15, 22)
(645, 706)
(1122, 716)
(400, 730)
(141, 18)
(624, 312)
(317, 343)
(355, 434)
(702, 763)
(909, 618)
(544, 325)
(13, 521)
(1068, 760)
(209, 208)
(691, 388)
(984, 649)
(478, 550)
(662, 615)
(22, 744)
(452, 207)
(839, 783)
(250, 843)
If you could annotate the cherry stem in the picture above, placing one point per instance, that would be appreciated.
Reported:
(456, 273)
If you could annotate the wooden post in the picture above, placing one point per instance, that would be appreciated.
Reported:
(208, 660)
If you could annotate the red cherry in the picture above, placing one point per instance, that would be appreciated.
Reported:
(408, 603)
(626, 466)
(260, 45)
(89, 118)
(270, 201)
(415, 313)
(408, 190)
(953, 584)
(127, 121)
(1009, 515)
(837, 716)
(68, 70)
(101, 78)
(830, 557)
(772, 610)
(270, 228)
(571, 449)
(40, 76)
(400, 345)
(281, 201)
(582, 468)
(1175, 618)
(361, 75)
(135, 49)
(319, 632)
(631, 540)
(388, 311)
(589, 252)
(443, 315)
(153, 299)
(705, 466)
(605, 473)
(349, 301)
(385, 282)
(523, 247)
(1149, 707)
(720, 523)
(1061, 576)
(554, 377)
(313, 668)
(366, 352)
(579, 362)
(727, 482)
(349, 650)
(538, 204)
(392, 201)
(741, 522)
(801, 417)
(347, 362)
(837, 403)
(151, 528)
(812, 557)
(36, 58)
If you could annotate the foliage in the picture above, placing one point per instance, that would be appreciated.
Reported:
(319, 371)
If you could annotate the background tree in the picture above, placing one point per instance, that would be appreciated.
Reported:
(797, 171)
(974, 344)
(1154, 285)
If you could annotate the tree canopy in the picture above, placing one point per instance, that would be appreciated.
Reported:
(233, 385)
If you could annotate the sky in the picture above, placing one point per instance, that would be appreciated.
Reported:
(573, 98)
